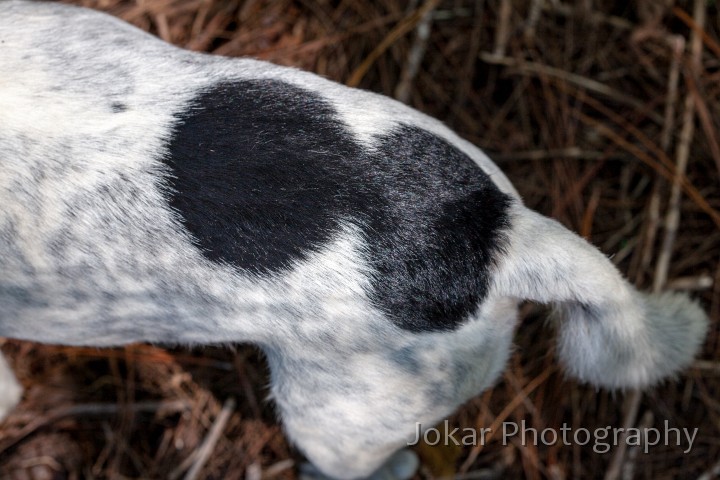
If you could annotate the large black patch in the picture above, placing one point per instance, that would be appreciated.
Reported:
(262, 173)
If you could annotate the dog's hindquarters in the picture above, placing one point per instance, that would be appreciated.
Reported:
(610, 334)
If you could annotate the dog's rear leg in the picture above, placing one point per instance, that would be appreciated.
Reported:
(351, 412)
(401, 466)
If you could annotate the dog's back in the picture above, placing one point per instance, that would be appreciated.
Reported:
(153, 194)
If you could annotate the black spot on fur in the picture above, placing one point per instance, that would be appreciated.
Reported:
(118, 107)
(436, 242)
(262, 173)
(407, 359)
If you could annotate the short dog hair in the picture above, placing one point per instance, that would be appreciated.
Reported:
(154, 194)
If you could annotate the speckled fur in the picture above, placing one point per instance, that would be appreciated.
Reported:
(91, 254)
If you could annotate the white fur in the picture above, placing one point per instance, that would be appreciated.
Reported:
(350, 385)
(610, 334)
(10, 389)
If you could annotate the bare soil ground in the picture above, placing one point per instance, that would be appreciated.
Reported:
(604, 114)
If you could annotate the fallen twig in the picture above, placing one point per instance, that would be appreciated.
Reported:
(575, 79)
(201, 455)
(402, 28)
(53, 416)
(414, 58)
(672, 219)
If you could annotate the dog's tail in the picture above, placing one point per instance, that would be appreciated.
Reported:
(610, 334)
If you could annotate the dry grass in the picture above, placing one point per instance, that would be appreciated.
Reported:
(594, 110)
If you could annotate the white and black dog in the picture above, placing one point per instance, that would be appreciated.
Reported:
(153, 194)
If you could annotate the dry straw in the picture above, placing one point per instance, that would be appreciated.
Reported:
(604, 114)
